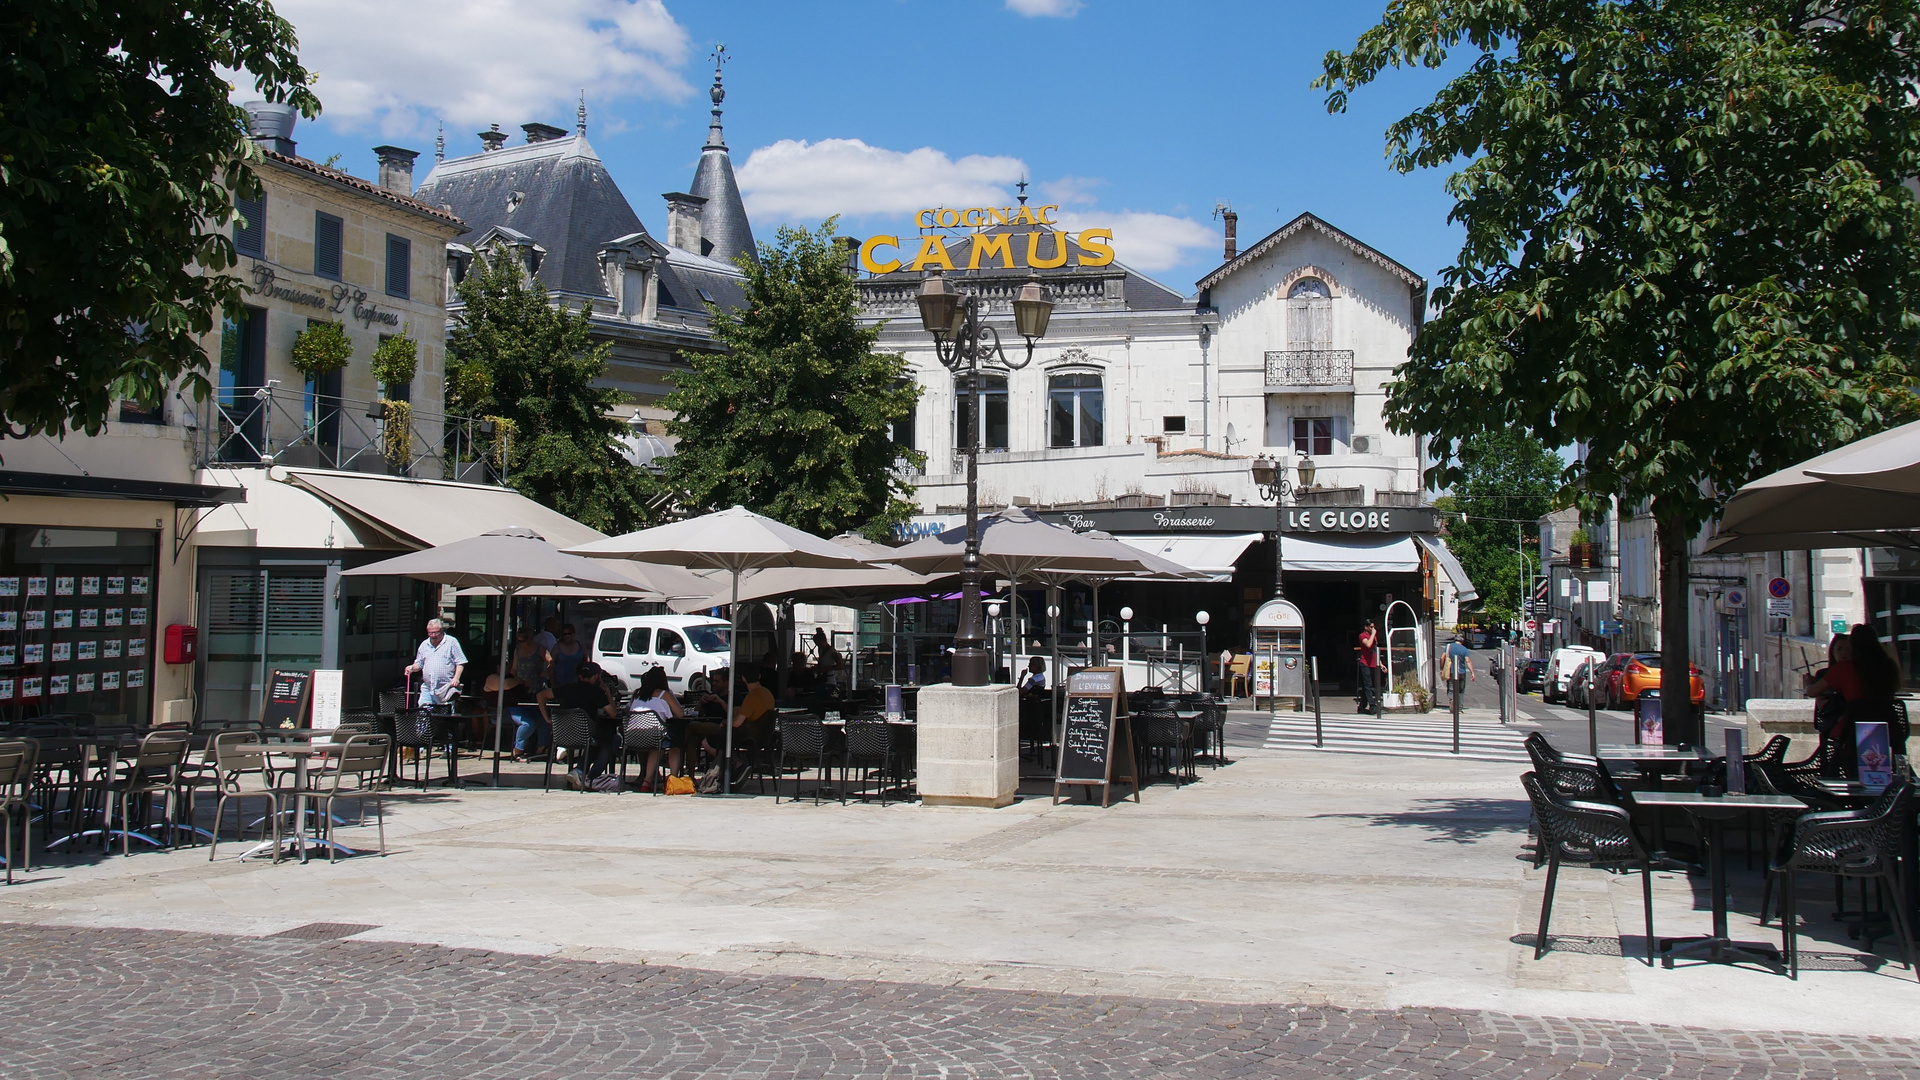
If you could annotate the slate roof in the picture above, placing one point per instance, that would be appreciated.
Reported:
(1140, 293)
(418, 206)
(557, 192)
(684, 276)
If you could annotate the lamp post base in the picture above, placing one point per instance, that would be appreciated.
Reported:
(968, 740)
(971, 667)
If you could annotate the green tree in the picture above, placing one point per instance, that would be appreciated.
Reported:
(795, 420)
(1687, 242)
(120, 154)
(513, 353)
(1508, 480)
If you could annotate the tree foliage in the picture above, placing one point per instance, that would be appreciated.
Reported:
(1687, 241)
(514, 354)
(120, 153)
(1508, 482)
(795, 420)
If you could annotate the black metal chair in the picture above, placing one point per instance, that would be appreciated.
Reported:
(1589, 834)
(1859, 844)
(421, 731)
(1165, 736)
(573, 732)
(869, 745)
(1036, 728)
(644, 734)
(803, 744)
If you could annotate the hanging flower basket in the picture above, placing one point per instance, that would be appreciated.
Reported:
(396, 438)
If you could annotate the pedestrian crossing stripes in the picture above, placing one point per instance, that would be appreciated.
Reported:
(1429, 735)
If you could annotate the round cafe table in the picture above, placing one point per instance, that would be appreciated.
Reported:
(302, 754)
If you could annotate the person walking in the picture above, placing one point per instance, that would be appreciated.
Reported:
(439, 662)
(1459, 667)
(1369, 650)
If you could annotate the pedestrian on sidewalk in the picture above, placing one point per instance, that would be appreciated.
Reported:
(1369, 650)
(1459, 666)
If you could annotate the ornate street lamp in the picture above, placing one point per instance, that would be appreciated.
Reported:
(1271, 479)
(959, 340)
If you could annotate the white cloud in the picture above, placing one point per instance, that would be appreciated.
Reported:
(795, 180)
(399, 67)
(1146, 241)
(1057, 9)
(1071, 190)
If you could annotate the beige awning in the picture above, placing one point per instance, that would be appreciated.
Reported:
(430, 513)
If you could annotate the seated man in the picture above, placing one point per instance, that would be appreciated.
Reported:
(588, 692)
(1034, 683)
(752, 720)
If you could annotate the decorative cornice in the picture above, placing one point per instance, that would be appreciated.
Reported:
(1293, 228)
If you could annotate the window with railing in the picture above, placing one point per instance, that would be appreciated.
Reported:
(1310, 367)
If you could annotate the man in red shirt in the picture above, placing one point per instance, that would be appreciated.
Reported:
(1369, 650)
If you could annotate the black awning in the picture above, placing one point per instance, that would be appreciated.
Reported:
(114, 487)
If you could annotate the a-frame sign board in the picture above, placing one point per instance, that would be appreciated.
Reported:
(1095, 727)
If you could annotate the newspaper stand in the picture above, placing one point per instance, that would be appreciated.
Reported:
(1279, 651)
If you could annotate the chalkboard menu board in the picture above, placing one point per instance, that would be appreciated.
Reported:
(288, 696)
(1096, 741)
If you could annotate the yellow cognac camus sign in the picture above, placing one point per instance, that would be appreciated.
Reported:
(1045, 250)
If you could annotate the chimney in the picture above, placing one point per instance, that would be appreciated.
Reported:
(1232, 221)
(271, 126)
(683, 220)
(849, 254)
(396, 168)
(492, 140)
(542, 132)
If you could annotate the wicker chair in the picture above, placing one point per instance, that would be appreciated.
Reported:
(361, 761)
(803, 743)
(245, 771)
(1586, 834)
(869, 745)
(1036, 728)
(1861, 844)
(421, 731)
(643, 734)
(1165, 736)
(1210, 733)
(17, 765)
(573, 732)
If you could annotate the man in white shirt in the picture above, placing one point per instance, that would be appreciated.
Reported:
(439, 663)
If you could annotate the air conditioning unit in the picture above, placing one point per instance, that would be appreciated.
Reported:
(1363, 444)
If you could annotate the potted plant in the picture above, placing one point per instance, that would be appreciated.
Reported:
(1408, 695)
(321, 349)
(395, 361)
(396, 435)
(1580, 549)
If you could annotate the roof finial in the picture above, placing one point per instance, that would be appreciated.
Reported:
(440, 143)
(715, 140)
(580, 127)
(1022, 185)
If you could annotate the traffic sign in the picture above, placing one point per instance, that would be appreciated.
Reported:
(1779, 588)
(1532, 626)
(1736, 598)
(1779, 607)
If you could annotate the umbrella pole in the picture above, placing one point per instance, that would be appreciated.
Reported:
(500, 698)
(733, 675)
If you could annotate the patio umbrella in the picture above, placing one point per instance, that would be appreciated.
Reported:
(1864, 494)
(669, 582)
(736, 541)
(508, 561)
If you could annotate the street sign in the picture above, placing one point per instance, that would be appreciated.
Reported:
(1779, 588)
(1532, 626)
(1838, 626)
(1736, 598)
(1609, 627)
(1779, 607)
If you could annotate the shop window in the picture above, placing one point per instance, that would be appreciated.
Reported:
(993, 411)
(1309, 315)
(250, 228)
(1076, 410)
(328, 237)
(77, 622)
(1313, 435)
(399, 266)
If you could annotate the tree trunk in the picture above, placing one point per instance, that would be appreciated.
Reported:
(1676, 652)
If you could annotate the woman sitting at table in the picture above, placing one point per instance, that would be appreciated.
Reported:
(654, 697)
(531, 732)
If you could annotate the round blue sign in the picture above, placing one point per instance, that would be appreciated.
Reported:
(1779, 588)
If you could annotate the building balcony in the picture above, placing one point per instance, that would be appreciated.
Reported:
(1325, 371)
(258, 427)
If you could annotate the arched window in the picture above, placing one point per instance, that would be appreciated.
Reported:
(1309, 315)
(993, 428)
(1076, 410)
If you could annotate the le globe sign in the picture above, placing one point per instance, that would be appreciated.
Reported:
(984, 247)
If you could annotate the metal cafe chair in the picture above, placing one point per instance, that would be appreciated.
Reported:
(869, 745)
(573, 732)
(643, 734)
(245, 772)
(17, 757)
(1860, 844)
(803, 739)
(361, 760)
(154, 770)
(1588, 834)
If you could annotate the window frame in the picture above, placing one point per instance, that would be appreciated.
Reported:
(405, 247)
(994, 409)
(1313, 439)
(321, 219)
(643, 635)
(251, 241)
(1080, 387)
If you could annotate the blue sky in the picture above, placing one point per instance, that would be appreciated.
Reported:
(1140, 115)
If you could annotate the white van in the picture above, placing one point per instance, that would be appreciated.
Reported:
(682, 644)
(1561, 668)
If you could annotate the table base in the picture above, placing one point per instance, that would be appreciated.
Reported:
(1719, 950)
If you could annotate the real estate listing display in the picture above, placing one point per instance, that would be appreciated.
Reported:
(75, 619)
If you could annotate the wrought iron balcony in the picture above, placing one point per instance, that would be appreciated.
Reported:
(1310, 367)
(256, 426)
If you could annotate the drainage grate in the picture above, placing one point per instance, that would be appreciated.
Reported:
(326, 931)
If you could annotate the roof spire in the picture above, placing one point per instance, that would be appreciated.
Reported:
(580, 127)
(440, 143)
(1022, 185)
(715, 140)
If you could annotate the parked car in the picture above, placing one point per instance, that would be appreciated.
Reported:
(1533, 673)
(1479, 638)
(682, 644)
(1641, 671)
(1560, 668)
(1600, 685)
(1586, 683)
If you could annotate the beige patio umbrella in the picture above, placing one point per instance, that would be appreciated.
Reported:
(735, 540)
(1864, 494)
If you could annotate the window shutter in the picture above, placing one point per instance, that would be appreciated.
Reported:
(326, 246)
(399, 265)
(250, 231)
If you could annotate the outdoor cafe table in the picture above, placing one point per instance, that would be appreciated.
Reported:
(1718, 948)
(100, 755)
(301, 753)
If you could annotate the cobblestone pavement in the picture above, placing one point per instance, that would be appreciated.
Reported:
(129, 1003)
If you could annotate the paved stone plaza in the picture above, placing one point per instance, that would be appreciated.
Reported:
(1298, 913)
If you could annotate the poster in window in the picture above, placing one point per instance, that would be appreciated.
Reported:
(62, 651)
(63, 619)
(83, 683)
(35, 653)
(110, 649)
(37, 619)
(109, 680)
(86, 650)
(89, 618)
(59, 685)
(9, 586)
(136, 678)
(36, 586)
(7, 655)
(6, 689)
(136, 646)
(63, 586)
(89, 586)
(118, 585)
(136, 616)
(30, 688)
(114, 617)
(9, 620)
(139, 586)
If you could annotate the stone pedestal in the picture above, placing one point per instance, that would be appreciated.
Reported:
(969, 745)
(1792, 717)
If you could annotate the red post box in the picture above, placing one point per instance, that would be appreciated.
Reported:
(182, 644)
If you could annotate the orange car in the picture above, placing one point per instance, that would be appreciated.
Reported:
(1640, 672)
